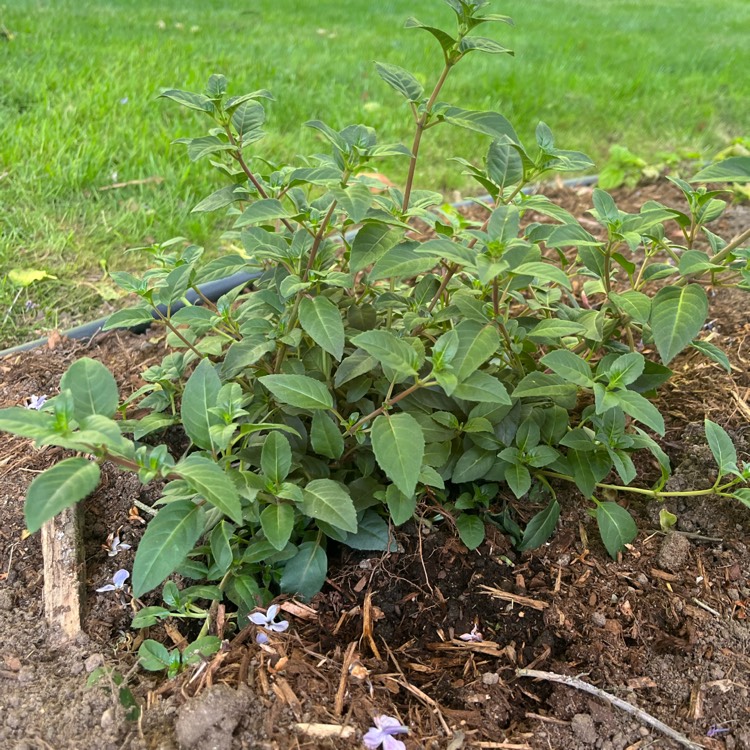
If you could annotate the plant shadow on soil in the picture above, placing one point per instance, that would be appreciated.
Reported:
(665, 627)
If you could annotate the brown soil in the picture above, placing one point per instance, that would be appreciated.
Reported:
(665, 627)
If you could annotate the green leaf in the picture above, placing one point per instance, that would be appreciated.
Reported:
(743, 495)
(734, 169)
(264, 211)
(371, 243)
(129, 318)
(476, 344)
(489, 123)
(300, 391)
(543, 385)
(518, 478)
(28, 423)
(57, 488)
(400, 506)
(305, 573)
(169, 537)
(149, 616)
(677, 316)
(207, 479)
(25, 277)
(325, 436)
(722, 448)
(398, 443)
(480, 386)
(446, 42)
(189, 99)
(543, 271)
(540, 528)
(389, 350)
(713, 353)
(276, 457)
(330, 502)
(504, 163)
(372, 534)
(482, 44)
(277, 521)
(404, 261)
(248, 117)
(200, 394)
(570, 366)
(554, 329)
(221, 547)
(473, 464)
(616, 527)
(321, 320)
(401, 80)
(470, 530)
(639, 408)
(153, 656)
(220, 198)
(635, 305)
(626, 369)
(93, 387)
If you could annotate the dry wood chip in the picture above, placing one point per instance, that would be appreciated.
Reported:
(524, 601)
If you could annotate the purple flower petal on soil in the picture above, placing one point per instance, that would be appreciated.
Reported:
(382, 734)
(267, 620)
(36, 402)
(118, 581)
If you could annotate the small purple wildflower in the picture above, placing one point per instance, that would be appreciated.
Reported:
(382, 734)
(30, 305)
(267, 620)
(475, 635)
(118, 581)
(261, 638)
(715, 731)
(116, 546)
(36, 402)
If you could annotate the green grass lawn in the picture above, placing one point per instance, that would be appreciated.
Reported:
(78, 81)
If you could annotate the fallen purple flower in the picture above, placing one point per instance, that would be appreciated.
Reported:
(261, 638)
(116, 546)
(475, 635)
(36, 402)
(118, 581)
(267, 620)
(716, 731)
(382, 734)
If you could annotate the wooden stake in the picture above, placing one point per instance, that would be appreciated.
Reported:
(64, 571)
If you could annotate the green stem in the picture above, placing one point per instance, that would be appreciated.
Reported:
(421, 124)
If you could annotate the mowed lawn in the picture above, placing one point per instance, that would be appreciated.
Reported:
(78, 81)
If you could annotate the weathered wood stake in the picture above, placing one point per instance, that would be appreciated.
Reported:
(64, 571)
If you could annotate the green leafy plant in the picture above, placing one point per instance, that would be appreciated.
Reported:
(372, 372)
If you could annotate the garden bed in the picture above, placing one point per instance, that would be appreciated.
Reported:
(664, 628)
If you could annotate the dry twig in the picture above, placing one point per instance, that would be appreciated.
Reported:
(639, 714)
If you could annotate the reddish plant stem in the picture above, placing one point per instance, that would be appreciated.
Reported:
(386, 404)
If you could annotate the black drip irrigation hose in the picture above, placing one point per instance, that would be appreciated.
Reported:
(213, 290)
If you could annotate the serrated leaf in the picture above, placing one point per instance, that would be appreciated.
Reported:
(401, 80)
(677, 316)
(473, 464)
(488, 123)
(305, 573)
(388, 349)
(476, 344)
(482, 44)
(200, 394)
(299, 391)
(570, 366)
(543, 271)
(518, 478)
(57, 488)
(276, 457)
(470, 530)
(321, 320)
(153, 656)
(372, 534)
(713, 353)
(189, 99)
(248, 117)
(372, 241)
(329, 501)
(616, 527)
(733, 169)
(398, 444)
(325, 436)
(277, 521)
(169, 537)
(264, 211)
(540, 528)
(722, 448)
(635, 305)
(93, 387)
(207, 479)
(129, 318)
(400, 506)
